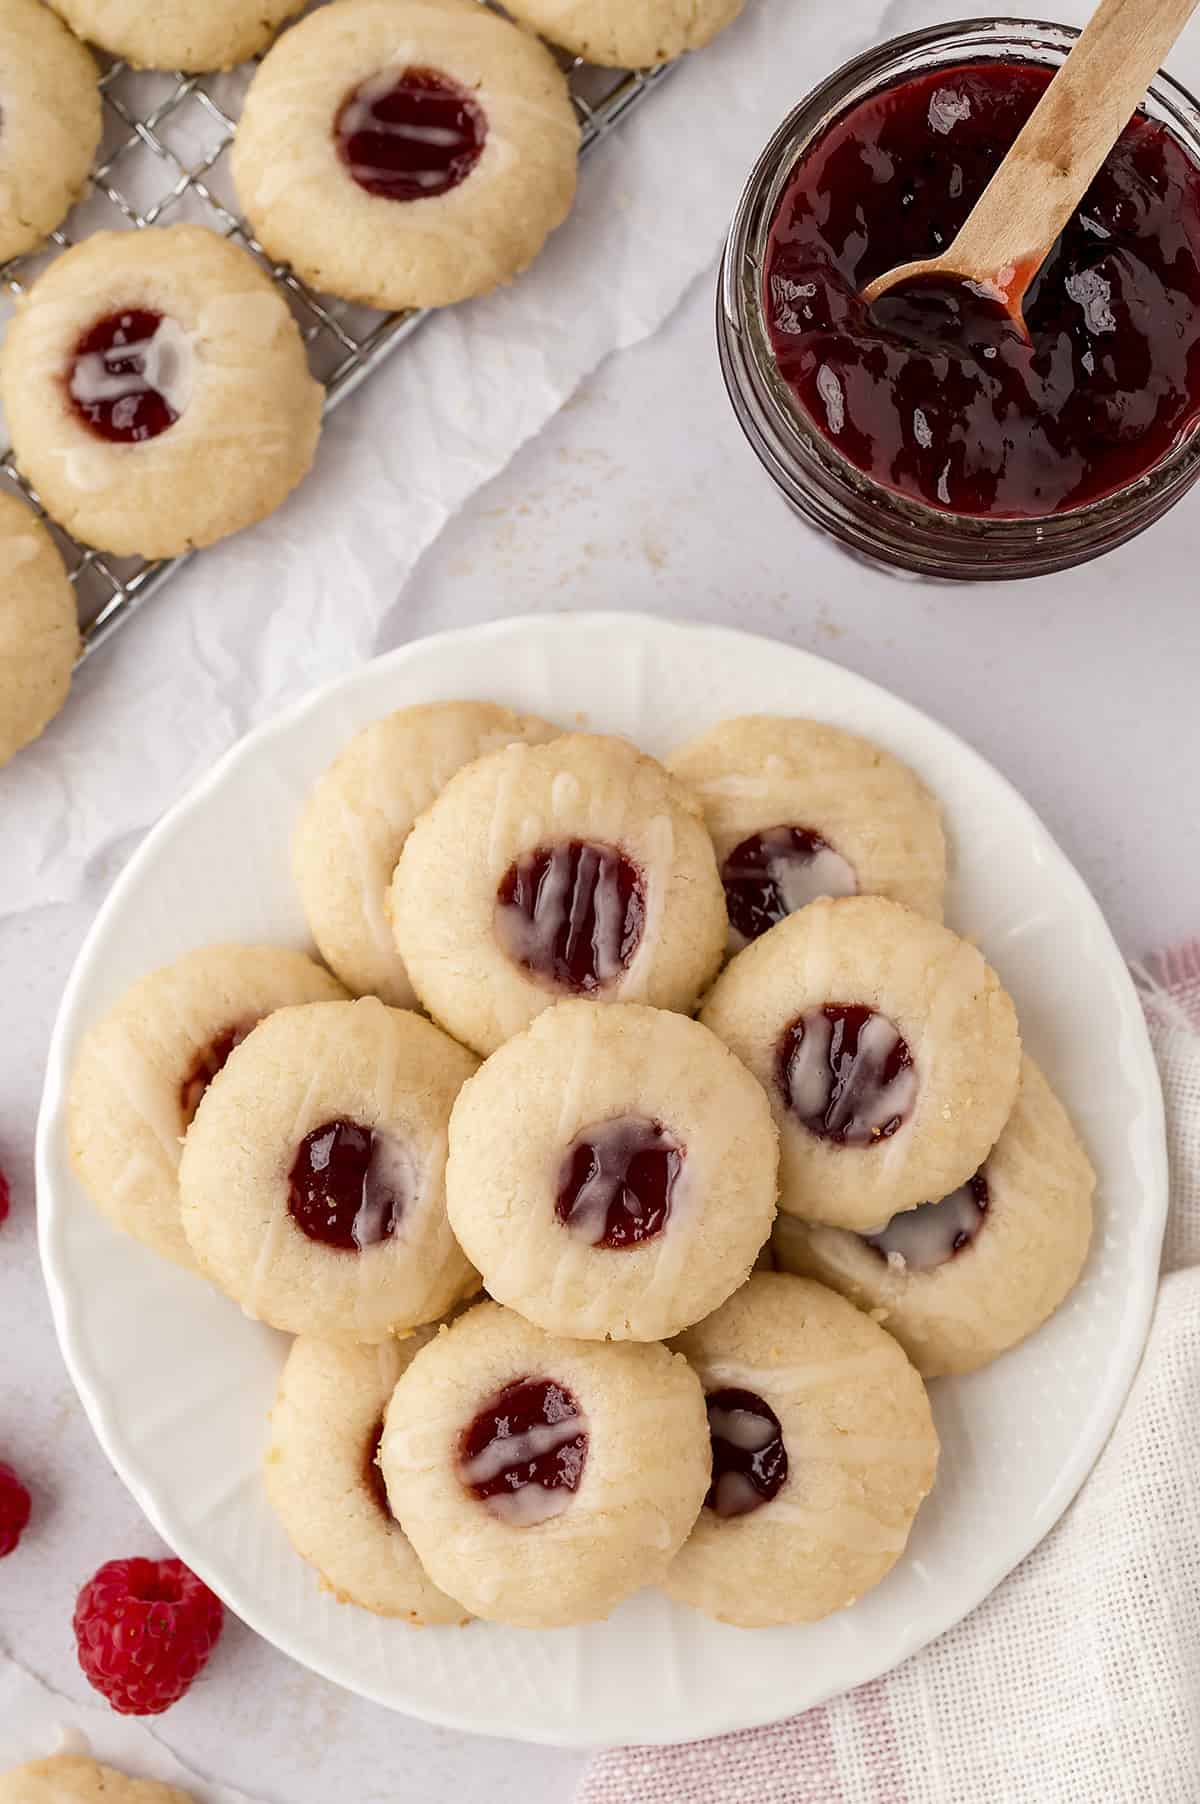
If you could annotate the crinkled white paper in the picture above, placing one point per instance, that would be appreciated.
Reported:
(257, 621)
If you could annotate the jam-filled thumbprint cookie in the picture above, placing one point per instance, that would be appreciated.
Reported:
(960, 1280)
(620, 36)
(39, 630)
(157, 391)
(888, 1049)
(823, 1447)
(49, 123)
(406, 153)
(177, 34)
(798, 809)
(359, 815)
(578, 868)
(142, 1069)
(612, 1172)
(541, 1480)
(324, 1483)
(313, 1176)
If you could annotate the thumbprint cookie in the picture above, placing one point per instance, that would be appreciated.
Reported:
(578, 868)
(620, 36)
(406, 153)
(541, 1480)
(612, 1172)
(39, 630)
(887, 1046)
(157, 391)
(959, 1280)
(49, 123)
(176, 34)
(142, 1069)
(323, 1479)
(359, 815)
(313, 1175)
(798, 810)
(823, 1448)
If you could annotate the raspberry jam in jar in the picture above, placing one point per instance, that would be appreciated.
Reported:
(925, 429)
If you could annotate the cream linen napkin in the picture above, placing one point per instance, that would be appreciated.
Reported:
(1078, 1681)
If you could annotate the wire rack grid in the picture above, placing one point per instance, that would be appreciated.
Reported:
(163, 159)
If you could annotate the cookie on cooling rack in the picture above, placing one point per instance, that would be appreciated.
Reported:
(798, 809)
(406, 153)
(888, 1049)
(621, 36)
(50, 123)
(176, 34)
(823, 1447)
(542, 1480)
(324, 1483)
(142, 1069)
(157, 391)
(959, 1281)
(313, 1176)
(359, 815)
(612, 1172)
(39, 631)
(575, 868)
(74, 1779)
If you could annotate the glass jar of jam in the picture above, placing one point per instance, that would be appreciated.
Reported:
(927, 431)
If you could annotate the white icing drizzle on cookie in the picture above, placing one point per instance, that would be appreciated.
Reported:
(154, 1101)
(741, 1428)
(735, 1495)
(532, 941)
(16, 552)
(924, 1238)
(518, 1449)
(794, 1380)
(809, 1080)
(801, 881)
(528, 1506)
(167, 367)
(359, 115)
(616, 1142)
(372, 876)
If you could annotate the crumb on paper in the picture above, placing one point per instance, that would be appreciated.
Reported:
(654, 551)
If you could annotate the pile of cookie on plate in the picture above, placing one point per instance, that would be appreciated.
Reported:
(736, 1136)
(394, 153)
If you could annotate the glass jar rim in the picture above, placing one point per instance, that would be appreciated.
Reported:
(822, 485)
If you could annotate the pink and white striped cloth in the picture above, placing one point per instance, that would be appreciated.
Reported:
(1078, 1681)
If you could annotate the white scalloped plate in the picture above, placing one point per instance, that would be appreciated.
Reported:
(177, 1382)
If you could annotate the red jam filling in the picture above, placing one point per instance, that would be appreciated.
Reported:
(113, 375)
(932, 390)
(773, 873)
(615, 1187)
(410, 136)
(523, 1454)
(921, 1239)
(572, 914)
(372, 1473)
(204, 1067)
(348, 1186)
(847, 1073)
(749, 1459)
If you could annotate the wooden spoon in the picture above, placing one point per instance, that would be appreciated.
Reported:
(1012, 227)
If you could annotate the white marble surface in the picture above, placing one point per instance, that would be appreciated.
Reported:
(639, 494)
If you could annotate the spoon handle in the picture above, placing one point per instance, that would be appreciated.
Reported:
(1012, 227)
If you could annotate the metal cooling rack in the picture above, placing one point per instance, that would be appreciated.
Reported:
(162, 160)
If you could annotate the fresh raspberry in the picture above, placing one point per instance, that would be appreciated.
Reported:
(15, 1506)
(5, 1194)
(144, 1629)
